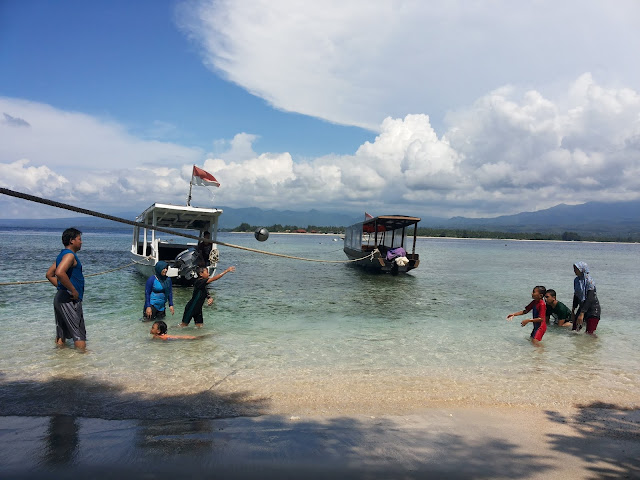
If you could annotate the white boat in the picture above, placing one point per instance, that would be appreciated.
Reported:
(384, 244)
(149, 246)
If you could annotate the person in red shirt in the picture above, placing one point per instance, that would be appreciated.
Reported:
(539, 314)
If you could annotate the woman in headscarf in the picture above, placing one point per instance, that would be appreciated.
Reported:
(584, 299)
(157, 291)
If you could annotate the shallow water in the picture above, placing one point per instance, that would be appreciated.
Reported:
(286, 336)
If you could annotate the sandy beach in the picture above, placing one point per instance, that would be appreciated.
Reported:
(594, 441)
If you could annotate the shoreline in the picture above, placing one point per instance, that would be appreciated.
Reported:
(470, 442)
(341, 235)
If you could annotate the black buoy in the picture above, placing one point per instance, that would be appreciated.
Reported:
(261, 234)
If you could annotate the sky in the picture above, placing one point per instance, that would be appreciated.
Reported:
(471, 108)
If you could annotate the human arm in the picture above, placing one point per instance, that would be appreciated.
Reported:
(51, 275)
(147, 296)
(526, 309)
(170, 297)
(542, 314)
(576, 304)
(587, 307)
(515, 314)
(220, 275)
(60, 273)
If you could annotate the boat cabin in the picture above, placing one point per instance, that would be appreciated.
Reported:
(385, 237)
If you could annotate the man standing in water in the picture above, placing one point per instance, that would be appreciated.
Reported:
(66, 275)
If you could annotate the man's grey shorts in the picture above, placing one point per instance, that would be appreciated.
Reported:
(69, 317)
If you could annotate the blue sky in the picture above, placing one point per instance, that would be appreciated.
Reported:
(128, 61)
(475, 109)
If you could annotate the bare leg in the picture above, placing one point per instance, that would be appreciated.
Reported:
(80, 345)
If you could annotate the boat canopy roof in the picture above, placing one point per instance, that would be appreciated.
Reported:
(388, 223)
(179, 216)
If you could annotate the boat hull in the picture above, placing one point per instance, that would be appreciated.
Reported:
(377, 263)
(146, 267)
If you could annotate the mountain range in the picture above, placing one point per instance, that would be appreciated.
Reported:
(593, 218)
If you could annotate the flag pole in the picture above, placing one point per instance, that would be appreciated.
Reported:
(190, 186)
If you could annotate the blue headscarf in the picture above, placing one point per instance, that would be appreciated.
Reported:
(163, 279)
(583, 283)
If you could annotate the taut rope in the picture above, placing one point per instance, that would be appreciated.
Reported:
(92, 213)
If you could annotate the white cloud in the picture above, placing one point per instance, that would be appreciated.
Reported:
(509, 151)
(361, 61)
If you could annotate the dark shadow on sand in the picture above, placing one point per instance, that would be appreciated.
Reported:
(277, 447)
(101, 431)
(607, 438)
(92, 399)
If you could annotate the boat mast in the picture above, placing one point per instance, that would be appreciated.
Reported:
(189, 197)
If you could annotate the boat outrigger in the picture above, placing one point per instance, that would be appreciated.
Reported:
(148, 248)
(382, 243)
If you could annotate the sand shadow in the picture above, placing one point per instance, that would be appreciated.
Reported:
(98, 430)
(605, 436)
(79, 397)
(276, 447)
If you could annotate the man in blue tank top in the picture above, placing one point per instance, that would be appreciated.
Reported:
(66, 275)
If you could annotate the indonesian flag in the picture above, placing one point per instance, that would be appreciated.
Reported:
(202, 178)
(367, 216)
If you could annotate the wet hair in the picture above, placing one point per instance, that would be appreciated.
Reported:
(69, 234)
(551, 292)
(540, 289)
(199, 270)
(162, 327)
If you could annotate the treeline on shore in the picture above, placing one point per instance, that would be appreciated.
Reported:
(453, 233)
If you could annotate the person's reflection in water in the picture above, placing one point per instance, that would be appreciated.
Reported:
(61, 441)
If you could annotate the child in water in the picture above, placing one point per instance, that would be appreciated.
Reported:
(193, 309)
(159, 331)
(539, 314)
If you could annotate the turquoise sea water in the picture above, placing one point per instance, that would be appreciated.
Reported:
(287, 336)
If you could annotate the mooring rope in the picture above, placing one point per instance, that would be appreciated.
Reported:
(92, 213)
(88, 275)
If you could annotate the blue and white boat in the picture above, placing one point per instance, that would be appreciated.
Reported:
(149, 246)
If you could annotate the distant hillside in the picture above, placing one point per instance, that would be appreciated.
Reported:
(593, 218)
(233, 217)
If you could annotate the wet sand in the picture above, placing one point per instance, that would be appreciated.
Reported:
(594, 441)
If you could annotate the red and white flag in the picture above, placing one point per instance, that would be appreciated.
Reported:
(367, 216)
(203, 178)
